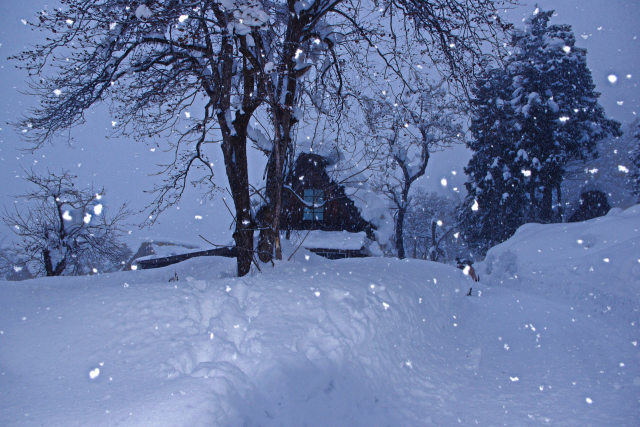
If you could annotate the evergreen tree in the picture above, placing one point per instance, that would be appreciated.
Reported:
(556, 108)
(530, 118)
(494, 202)
(636, 162)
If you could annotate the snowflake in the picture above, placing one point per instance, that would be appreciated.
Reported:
(94, 373)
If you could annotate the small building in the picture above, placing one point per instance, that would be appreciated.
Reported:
(155, 254)
(313, 201)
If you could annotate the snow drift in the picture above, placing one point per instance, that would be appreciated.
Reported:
(372, 341)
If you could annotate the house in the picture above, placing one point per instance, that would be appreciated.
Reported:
(311, 200)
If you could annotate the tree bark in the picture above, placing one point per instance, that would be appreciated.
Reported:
(559, 200)
(400, 231)
(433, 251)
(546, 205)
(282, 103)
(48, 264)
(48, 267)
(402, 210)
(234, 149)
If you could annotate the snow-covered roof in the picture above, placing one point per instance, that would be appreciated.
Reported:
(161, 249)
(319, 239)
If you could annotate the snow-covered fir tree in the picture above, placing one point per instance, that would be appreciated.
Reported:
(636, 162)
(556, 108)
(532, 117)
(494, 195)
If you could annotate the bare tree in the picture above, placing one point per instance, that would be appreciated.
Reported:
(64, 230)
(171, 70)
(431, 229)
(410, 123)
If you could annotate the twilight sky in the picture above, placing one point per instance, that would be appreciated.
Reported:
(608, 29)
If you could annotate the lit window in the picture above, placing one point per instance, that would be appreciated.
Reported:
(316, 198)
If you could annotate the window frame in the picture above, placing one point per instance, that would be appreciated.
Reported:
(316, 197)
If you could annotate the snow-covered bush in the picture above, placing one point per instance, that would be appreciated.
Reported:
(64, 230)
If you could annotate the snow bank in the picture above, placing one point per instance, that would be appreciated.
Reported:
(311, 341)
(549, 336)
(594, 265)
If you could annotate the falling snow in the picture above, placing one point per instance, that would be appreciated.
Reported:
(311, 339)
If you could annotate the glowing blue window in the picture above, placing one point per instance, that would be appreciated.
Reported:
(315, 198)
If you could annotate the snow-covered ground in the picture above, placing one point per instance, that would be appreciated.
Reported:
(549, 335)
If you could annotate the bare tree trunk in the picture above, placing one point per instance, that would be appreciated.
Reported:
(48, 267)
(234, 149)
(559, 199)
(282, 103)
(269, 239)
(433, 251)
(402, 210)
(399, 231)
(48, 264)
(546, 206)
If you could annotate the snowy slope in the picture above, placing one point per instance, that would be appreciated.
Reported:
(373, 341)
(594, 265)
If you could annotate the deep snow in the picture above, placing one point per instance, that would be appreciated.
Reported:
(549, 335)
